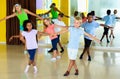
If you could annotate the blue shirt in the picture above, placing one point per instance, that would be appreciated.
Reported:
(90, 28)
(113, 19)
(74, 38)
(108, 20)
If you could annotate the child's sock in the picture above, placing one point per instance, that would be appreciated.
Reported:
(26, 69)
(35, 69)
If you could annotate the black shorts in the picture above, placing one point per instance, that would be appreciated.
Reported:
(87, 42)
(106, 31)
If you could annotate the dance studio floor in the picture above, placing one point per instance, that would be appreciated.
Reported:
(104, 65)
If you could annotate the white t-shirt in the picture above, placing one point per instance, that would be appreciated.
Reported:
(30, 37)
(58, 22)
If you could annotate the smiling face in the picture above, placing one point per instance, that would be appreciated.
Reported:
(90, 18)
(46, 21)
(77, 22)
(29, 26)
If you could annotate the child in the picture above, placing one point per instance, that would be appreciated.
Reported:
(89, 26)
(30, 34)
(73, 45)
(49, 28)
(108, 22)
(61, 23)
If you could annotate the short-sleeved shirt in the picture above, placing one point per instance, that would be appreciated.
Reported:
(58, 22)
(30, 37)
(90, 28)
(50, 30)
(74, 38)
(114, 19)
(108, 20)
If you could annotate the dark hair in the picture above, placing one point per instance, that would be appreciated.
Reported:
(93, 13)
(108, 12)
(61, 14)
(89, 14)
(25, 24)
(75, 13)
(53, 4)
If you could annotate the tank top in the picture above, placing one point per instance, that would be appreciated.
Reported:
(22, 17)
(54, 13)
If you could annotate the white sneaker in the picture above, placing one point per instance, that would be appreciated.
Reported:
(53, 59)
(25, 52)
(27, 68)
(58, 57)
(35, 69)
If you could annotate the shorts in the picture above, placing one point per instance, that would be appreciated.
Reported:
(54, 43)
(106, 31)
(32, 53)
(72, 53)
(87, 42)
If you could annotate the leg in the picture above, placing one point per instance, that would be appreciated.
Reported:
(76, 69)
(62, 49)
(69, 68)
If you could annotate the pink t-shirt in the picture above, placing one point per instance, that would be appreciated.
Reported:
(50, 30)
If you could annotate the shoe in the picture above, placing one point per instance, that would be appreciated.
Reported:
(113, 36)
(25, 52)
(53, 59)
(108, 41)
(81, 56)
(26, 69)
(35, 69)
(62, 50)
(66, 73)
(76, 72)
(89, 58)
(58, 57)
(51, 50)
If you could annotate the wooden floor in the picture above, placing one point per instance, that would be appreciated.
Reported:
(104, 64)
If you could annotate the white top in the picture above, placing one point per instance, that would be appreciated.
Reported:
(30, 37)
(58, 22)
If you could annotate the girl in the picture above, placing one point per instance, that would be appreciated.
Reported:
(29, 34)
(73, 45)
(49, 28)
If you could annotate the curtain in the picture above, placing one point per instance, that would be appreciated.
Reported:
(12, 25)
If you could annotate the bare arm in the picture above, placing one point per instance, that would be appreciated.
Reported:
(58, 26)
(33, 14)
(43, 33)
(8, 17)
(47, 12)
(92, 37)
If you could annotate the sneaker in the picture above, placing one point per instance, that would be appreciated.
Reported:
(81, 56)
(58, 57)
(53, 59)
(51, 50)
(35, 69)
(62, 50)
(66, 73)
(89, 58)
(25, 52)
(27, 68)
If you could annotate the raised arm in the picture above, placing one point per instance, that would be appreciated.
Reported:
(8, 17)
(33, 14)
(92, 37)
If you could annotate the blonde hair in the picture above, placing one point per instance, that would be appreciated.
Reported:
(16, 5)
(78, 19)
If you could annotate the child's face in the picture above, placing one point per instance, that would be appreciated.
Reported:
(59, 18)
(90, 18)
(77, 23)
(47, 22)
(29, 26)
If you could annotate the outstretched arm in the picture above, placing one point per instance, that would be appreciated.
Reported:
(33, 14)
(8, 17)
(92, 37)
